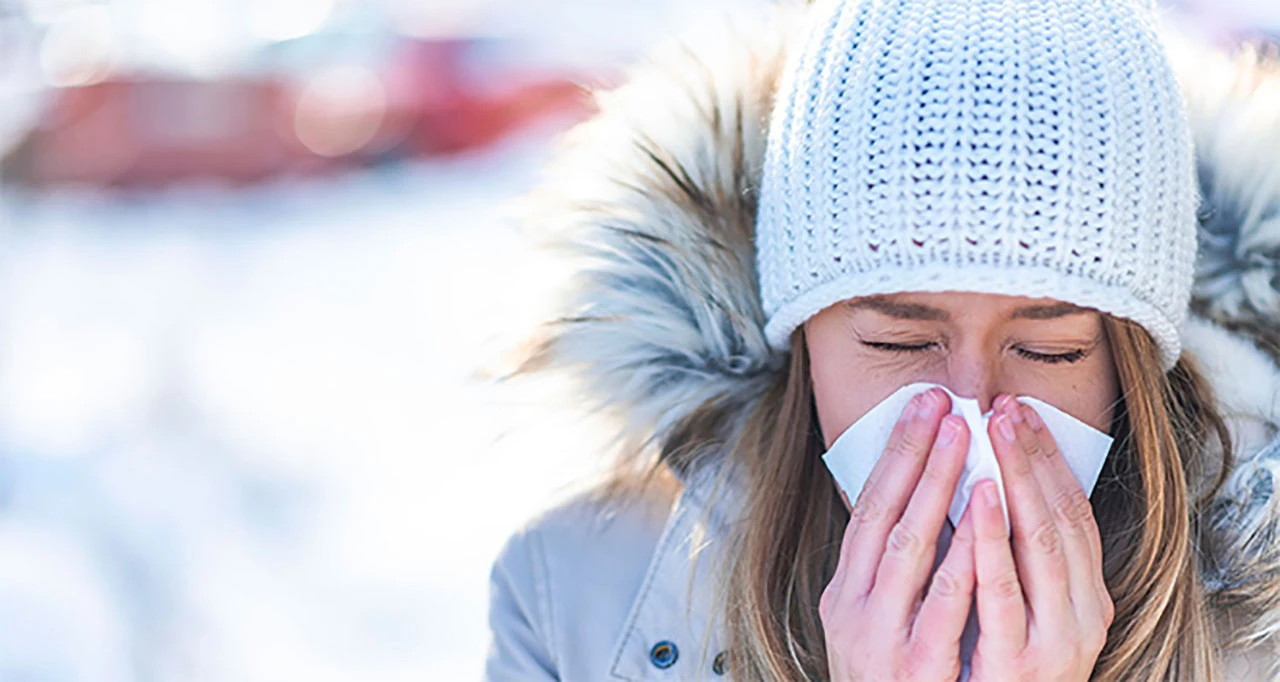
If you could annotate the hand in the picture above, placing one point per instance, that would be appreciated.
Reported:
(1043, 608)
(879, 622)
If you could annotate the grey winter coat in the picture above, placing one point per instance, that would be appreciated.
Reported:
(657, 193)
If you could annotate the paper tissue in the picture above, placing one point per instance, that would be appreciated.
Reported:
(856, 451)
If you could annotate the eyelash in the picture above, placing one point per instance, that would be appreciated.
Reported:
(1049, 359)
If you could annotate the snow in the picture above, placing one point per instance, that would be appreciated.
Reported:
(240, 435)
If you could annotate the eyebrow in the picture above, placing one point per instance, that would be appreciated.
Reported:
(916, 311)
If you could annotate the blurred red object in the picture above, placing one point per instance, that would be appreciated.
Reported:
(153, 131)
(430, 98)
(459, 105)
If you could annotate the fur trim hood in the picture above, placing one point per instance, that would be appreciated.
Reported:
(662, 323)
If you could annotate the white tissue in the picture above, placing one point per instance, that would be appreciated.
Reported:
(857, 450)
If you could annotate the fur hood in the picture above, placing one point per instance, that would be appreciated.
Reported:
(662, 323)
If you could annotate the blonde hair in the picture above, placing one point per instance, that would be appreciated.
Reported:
(779, 558)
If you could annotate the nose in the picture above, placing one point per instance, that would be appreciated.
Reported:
(974, 374)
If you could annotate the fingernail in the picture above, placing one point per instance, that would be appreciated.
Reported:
(1001, 400)
(948, 431)
(1005, 427)
(913, 406)
(1033, 418)
(990, 495)
(1015, 412)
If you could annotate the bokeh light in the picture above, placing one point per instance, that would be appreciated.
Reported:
(80, 48)
(287, 19)
(340, 110)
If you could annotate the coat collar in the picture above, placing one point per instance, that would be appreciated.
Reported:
(676, 601)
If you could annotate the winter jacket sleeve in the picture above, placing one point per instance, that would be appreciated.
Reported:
(519, 615)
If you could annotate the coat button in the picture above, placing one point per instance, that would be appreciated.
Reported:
(664, 654)
(717, 666)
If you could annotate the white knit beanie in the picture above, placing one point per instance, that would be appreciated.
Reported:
(1025, 147)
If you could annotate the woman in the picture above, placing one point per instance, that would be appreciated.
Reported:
(785, 224)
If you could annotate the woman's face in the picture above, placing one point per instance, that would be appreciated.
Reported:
(978, 345)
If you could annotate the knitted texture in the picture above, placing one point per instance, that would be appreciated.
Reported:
(1026, 147)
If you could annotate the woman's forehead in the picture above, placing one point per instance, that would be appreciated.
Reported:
(948, 305)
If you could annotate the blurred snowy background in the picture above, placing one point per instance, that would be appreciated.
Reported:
(250, 253)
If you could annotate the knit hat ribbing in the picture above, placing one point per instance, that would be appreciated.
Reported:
(1024, 147)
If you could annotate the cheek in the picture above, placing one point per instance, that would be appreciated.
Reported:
(848, 379)
(1089, 396)
(1102, 396)
(843, 392)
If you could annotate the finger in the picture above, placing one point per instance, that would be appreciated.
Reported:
(1002, 613)
(932, 403)
(912, 542)
(1082, 542)
(889, 487)
(867, 506)
(833, 595)
(940, 621)
(1056, 476)
(1037, 542)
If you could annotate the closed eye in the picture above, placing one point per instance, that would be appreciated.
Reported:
(1047, 358)
(899, 347)
(1073, 356)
